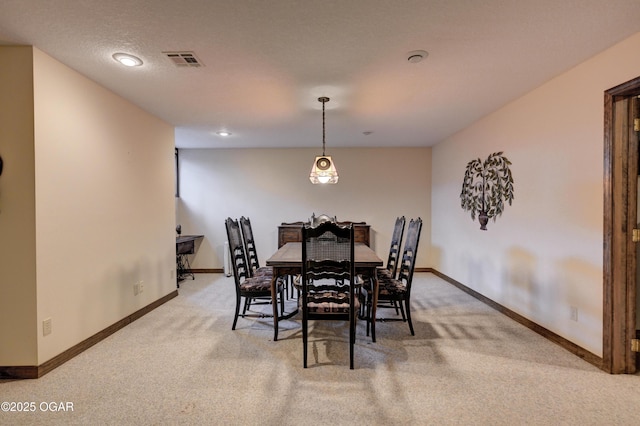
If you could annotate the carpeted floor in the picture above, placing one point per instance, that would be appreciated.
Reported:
(467, 364)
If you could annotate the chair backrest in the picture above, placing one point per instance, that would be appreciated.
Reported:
(236, 250)
(396, 244)
(327, 253)
(409, 253)
(249, 245)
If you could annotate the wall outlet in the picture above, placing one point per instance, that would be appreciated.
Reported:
(46, 327)
(136, 288)
(141, 286)
(574, 313)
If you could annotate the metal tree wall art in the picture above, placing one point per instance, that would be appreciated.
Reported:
(486, 187)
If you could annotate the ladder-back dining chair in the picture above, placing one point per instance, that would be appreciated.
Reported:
(328, 279)
(250, 250)
(398, 290)
(249, 287)
(252, 256)
(394, 250)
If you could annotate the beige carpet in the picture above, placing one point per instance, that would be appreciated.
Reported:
(467, 364)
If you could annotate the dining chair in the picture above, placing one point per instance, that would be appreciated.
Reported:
(398, 290)
(251, 288)
(250, 250)
(252, 257)
(328, 279)
(390, 270)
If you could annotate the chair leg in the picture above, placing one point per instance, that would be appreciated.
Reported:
(372, 318)
(285, 283)
(406, 302)
(367, 307)
(291, 287)
(352, 338)
(404, 318)
(283, 294)
(368, 312)
(235, 317)
(304, 343)
(247, 304)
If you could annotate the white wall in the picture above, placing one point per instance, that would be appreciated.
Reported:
(271, 186)
(18, 343)
(104, 214)
(545, 254)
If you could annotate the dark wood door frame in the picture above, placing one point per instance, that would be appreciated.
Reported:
(620, 217)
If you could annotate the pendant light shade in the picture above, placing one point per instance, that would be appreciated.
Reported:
(323, 169)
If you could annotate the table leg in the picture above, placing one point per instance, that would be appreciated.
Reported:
(274, 302)
(374, 306)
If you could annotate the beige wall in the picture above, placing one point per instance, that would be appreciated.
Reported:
(104, 213)
(18, 341)
(545, 254)
(271, 186)
(86, 202)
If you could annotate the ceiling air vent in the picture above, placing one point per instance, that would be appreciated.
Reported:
(184, 59)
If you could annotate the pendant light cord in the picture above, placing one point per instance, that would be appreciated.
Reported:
(323, 99)
(323, 132)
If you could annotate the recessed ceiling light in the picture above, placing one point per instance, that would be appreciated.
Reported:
(127, 60)
(416, 56)
(223, 133)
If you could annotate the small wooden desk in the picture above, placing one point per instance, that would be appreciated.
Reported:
(185, 245)
(288, 261)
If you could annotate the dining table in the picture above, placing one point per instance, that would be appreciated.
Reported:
(288, 261)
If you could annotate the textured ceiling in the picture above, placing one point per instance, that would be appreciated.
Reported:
(267, 61)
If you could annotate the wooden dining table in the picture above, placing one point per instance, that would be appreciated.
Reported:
(288, 261)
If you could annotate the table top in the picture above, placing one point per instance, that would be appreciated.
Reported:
(290, 254)
(185, 238)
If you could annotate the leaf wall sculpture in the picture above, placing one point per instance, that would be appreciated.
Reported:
(486, 186)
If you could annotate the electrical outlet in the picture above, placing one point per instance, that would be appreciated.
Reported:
(46, 327)
(136, 288)
(141, 286)
(574, 313)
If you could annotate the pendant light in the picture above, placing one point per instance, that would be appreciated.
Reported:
(323, 169)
